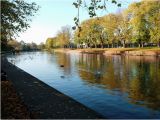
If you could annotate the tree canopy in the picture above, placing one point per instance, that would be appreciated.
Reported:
(15, 17)
(92, 7)
(138, 25)
(62, 39)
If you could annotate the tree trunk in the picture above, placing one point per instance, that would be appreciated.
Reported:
(139, 44)
(95, 45)
(158, 45)
(124, 44)
(142, 44)
(102, 45)
(108, 45)
(88, 45)
(113, 45)
(101, 42)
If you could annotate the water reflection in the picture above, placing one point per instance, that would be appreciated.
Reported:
(65, 61)
(138, 76)
(115, 86)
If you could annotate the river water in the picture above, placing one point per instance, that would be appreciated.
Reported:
(114, 86)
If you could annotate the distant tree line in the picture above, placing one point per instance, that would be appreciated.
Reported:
(136, 26)
(15, 46)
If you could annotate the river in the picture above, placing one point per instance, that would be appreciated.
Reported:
(114, 86)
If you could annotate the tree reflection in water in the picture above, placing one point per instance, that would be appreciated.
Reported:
(137, 76)
(116, 86)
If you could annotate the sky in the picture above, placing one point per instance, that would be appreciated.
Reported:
(53, 14)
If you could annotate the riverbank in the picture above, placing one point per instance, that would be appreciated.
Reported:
(115, 51)
(42, 100)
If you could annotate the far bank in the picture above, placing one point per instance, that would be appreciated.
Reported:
(113, 51)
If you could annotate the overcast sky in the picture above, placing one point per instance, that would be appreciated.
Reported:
(53, 14)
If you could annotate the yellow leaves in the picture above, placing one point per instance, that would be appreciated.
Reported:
(14, 44)
(137, 23)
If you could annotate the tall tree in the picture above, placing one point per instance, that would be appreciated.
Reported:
(49, 43)
(64, 36)
(111, 22)
(91, 33)
(140, 20)
(123, 30)
(153, 12)
(15, 17)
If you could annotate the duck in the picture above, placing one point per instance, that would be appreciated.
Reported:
(62, 77)
(98, 75)
(61, 65)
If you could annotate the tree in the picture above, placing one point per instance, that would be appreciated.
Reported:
(49, 43)
(84, 36)
(138, 24)
(64, 36)
(41, 46)
(15, 17)
(93, 6)
(123, 30)
(90, 34)
(62, 39)
(23, 45)
(14, 44)
(111, 23)
(154, 21)
(98, 34)
(144, 17)
(33, 46)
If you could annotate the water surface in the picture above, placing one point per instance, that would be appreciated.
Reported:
(114, 86)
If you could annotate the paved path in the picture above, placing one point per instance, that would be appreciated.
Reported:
(43, 100)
